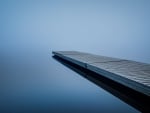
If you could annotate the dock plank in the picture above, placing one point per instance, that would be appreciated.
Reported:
(132, 74)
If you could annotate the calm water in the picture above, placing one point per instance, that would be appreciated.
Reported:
(34, 81)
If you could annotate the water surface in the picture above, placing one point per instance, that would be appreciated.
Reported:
(37, 82)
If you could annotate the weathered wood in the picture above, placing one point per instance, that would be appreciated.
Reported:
(134, 75)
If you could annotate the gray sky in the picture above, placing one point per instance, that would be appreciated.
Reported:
(112, 28)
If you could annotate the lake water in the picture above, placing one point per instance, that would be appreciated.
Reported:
(34, 81)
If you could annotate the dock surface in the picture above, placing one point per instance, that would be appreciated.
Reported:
(132, 74)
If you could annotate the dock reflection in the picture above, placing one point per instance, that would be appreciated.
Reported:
(135, 99)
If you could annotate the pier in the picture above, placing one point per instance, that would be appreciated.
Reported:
(132, 74)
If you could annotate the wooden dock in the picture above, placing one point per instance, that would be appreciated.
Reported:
(134, 75)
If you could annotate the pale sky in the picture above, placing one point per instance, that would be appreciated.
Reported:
(112, 28)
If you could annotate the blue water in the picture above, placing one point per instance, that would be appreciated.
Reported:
(31, 80)
(36, 82)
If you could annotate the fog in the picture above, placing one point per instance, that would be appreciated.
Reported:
(112, 28)
(30, 31)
